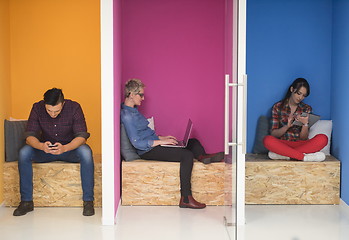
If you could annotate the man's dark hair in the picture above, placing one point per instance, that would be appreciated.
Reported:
(53, 97)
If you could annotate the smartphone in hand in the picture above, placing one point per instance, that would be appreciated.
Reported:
(298, 123)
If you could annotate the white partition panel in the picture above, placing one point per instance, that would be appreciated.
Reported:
(235, 120)
(107, 82)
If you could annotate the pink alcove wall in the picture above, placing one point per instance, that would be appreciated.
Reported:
(117, 97)
(176, 47)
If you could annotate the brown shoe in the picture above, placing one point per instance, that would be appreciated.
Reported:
(210, 158)
(89, 209)
(192, 203)
(23, 208)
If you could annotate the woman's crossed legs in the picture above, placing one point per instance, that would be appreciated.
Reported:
(295, 149)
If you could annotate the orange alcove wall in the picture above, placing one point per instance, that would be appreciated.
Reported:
(56, 44)
(4, 80)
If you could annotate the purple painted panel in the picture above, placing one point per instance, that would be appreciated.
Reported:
(177, 49)
(117, 96)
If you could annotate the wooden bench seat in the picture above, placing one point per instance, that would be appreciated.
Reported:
(157, 183)
(291, 182)
(56, 184)
(267, 182)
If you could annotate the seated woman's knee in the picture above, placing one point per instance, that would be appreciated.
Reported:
(187, 155)
(267, 139)
(322, 139)
(194, 141)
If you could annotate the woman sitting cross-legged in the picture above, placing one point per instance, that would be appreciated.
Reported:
(290, 141)
(148, 143)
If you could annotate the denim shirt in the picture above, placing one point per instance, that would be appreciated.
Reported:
(136, 125)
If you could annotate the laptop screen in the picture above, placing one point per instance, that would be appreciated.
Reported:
(187, 131)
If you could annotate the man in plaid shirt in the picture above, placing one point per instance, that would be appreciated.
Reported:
(56, 130)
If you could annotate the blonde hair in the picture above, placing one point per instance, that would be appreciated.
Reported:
(133, 86)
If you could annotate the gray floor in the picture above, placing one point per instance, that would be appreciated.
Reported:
(289, 222)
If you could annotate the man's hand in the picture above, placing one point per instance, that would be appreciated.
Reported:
(46, 147)
(55, 149)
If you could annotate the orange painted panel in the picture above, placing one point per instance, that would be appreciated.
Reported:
(57, 44)
(4, 80)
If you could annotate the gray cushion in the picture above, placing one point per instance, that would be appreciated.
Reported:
(128, 151)
(263, 129)
(14, 138)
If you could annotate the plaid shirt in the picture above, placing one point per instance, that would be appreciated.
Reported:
(280, 118)
(69, 124)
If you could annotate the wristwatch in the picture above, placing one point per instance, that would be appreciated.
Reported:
(306, 124)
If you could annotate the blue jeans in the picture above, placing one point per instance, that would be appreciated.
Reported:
(82, 155)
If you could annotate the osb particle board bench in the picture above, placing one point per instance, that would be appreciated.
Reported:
(147, 182)
(291, 182)
(56, 184)
(267, 182)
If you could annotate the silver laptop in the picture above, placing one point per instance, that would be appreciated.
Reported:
(183, 143)
(313, 118)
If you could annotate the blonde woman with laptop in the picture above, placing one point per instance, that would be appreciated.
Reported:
(148, 143)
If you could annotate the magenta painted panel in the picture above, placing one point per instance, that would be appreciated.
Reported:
(117, 97)
(177, 48)
(232, 72)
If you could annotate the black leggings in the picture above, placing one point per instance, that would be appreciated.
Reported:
(183, 155)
